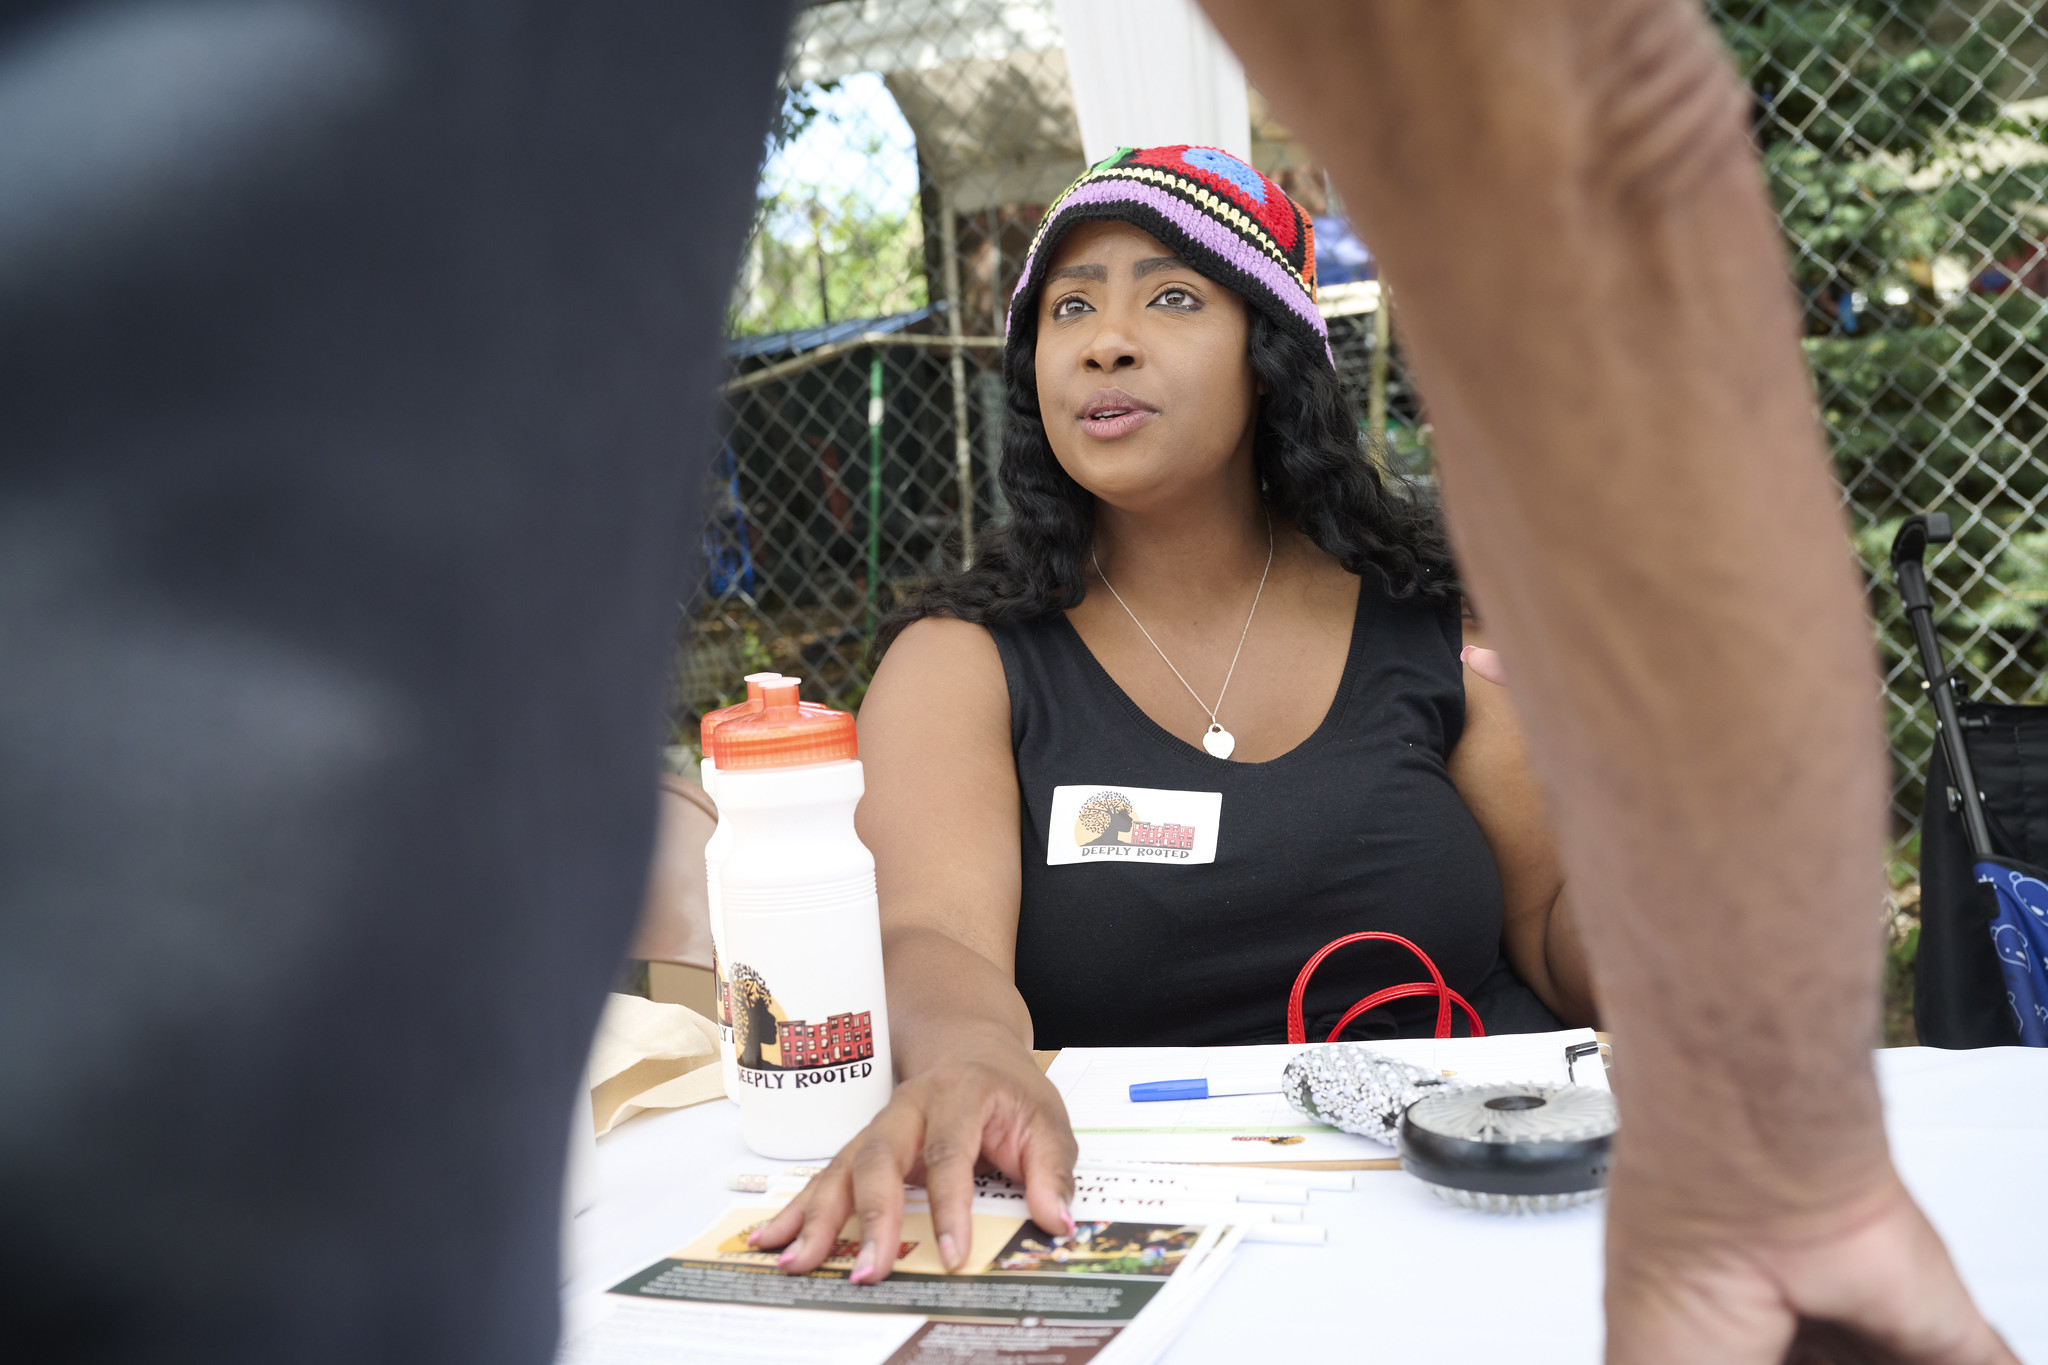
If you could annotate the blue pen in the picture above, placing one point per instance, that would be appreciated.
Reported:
(1199, 1089)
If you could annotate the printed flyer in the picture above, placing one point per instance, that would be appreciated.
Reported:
(1024, 1297)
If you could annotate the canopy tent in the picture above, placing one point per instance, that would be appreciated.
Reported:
(1147, 73)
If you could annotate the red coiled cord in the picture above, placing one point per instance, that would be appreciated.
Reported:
(1297, 1032)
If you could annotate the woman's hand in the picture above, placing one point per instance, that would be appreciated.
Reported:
(939, 1126)
(1484, 662)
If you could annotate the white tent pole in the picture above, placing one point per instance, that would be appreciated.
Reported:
(963, 454)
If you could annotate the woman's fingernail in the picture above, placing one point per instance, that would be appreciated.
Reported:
(786, 1257)
(1067, 1216)
(863, 1264)
(1465, 654)
(949, 1251)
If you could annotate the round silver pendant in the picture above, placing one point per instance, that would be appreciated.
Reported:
(1219, 741)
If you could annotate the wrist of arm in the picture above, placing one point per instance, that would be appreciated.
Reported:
(948, 1003)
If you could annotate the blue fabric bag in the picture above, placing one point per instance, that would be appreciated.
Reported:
(2019, 935)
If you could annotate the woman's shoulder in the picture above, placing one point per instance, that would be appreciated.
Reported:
(935, 648)
(940, 673)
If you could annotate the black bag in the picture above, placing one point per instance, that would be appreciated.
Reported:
(1978, 980)
(1958, 991)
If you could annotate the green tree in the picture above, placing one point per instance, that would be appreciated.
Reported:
(824, 253)
(1902, 179)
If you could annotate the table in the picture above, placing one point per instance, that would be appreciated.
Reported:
(1408, 1277)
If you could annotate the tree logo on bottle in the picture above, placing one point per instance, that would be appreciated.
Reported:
(767, 1039)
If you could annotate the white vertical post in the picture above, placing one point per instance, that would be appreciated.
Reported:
(963, 453)
(1376, 391)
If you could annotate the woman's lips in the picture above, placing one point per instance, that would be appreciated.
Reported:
(1110, 428)
(1110, 413)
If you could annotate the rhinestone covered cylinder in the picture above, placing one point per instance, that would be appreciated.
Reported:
(1352, 1087)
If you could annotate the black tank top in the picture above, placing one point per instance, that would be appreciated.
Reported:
(1128, 937)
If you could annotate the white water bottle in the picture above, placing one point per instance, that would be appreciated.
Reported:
(715, 850)
(803, 932)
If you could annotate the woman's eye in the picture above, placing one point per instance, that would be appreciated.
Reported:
(1069, 307)
(1177, 298)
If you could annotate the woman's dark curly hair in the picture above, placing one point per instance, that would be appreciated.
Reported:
(1312, 474)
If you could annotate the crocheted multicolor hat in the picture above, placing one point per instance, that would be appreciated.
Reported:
(1218, 214)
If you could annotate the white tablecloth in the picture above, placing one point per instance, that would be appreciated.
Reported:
(1408, 1277)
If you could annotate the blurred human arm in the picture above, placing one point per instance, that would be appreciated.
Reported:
(940, 816)
(1594, 303)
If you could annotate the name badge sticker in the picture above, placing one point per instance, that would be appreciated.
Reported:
(1098, 824)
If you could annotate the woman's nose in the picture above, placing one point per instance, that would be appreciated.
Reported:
(1109, 351)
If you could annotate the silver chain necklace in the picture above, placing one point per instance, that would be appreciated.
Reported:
(1218, 740)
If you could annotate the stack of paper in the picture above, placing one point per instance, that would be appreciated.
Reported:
(1096, 1082)
(1269, 1210)
(1116, 1292)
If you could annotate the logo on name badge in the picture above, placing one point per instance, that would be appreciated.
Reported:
(1132, 824)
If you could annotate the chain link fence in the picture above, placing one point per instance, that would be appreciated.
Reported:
(1906, 147)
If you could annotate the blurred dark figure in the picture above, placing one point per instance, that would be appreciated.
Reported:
(356, 361)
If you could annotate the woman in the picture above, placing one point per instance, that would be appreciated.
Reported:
(1199, 712)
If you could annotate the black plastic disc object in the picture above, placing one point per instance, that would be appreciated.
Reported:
(1511, 1148)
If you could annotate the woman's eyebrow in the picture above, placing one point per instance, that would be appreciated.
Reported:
(1152, 264)
(1081, 272)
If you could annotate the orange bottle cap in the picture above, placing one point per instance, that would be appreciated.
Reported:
(784, 733)
(755, 682)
